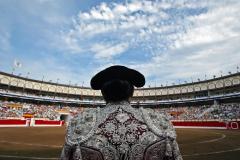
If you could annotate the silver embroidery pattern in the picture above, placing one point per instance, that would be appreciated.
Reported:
(82, 127)
(124, 136)
(112, 107)
(121, 131)
(158, 123)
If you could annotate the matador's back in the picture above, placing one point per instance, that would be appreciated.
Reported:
(120, 132)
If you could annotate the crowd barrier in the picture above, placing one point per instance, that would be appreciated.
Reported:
(46, 123)
(177, 124)
(207, 124)
(14, 123)
(30, 123)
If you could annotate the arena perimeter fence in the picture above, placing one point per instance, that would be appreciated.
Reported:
(30, 123)
(208, 124)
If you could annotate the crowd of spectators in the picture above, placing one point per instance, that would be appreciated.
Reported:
(18, 110)
(52, 112)
(9, 112)
(204, 112)
(229, 111)
(185, 113)
(41, 111)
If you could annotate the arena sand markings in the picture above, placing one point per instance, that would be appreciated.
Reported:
(32, 144)
(23, 157)
(209, 153)
(208, 141)
(216, 139)
(46, 143)
(60, 146)
(225, 146)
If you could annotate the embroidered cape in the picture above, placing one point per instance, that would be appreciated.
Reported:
(120, 132)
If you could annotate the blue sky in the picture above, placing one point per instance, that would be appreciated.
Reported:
(168, 41)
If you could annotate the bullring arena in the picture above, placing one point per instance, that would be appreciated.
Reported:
(46, 143)
(34, 115)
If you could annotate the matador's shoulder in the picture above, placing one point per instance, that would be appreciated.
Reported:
(81, 126)
(158, 122)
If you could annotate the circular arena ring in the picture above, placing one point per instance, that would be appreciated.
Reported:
(46, 143)
(208, 144)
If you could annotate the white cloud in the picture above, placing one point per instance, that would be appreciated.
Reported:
(69, 43)
(210, 45)
(140, 23)
(182, 39)
(218, 24)
(108, 51)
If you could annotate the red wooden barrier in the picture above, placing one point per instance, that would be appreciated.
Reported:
(199, 123)
(12, 122)
(48, 123)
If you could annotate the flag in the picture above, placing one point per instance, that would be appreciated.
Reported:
(17, 64)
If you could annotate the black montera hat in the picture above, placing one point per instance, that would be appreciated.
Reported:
(117, 72)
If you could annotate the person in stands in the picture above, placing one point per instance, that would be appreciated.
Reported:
(119, 131)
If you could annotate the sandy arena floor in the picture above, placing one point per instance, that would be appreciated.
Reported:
(46, 143)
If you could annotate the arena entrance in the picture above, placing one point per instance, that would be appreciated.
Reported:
(64, 117)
